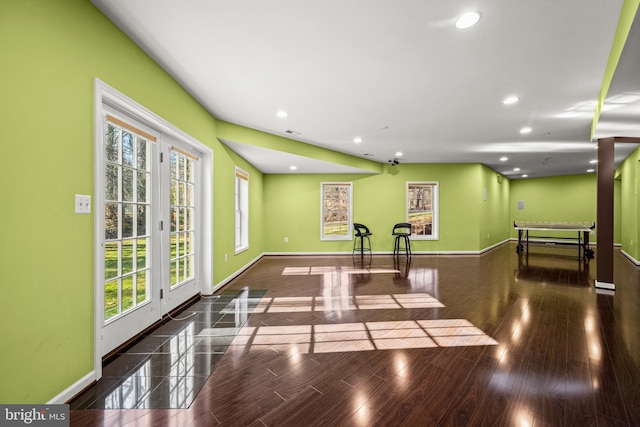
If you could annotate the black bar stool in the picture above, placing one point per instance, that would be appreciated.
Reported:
(402, 231)
(362, 232)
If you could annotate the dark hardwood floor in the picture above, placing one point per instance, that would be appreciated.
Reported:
(485, 340)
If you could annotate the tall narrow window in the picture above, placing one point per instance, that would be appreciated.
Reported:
(336, 211)
(182, 244)
(126, 217)
(422, 209)
(242, 210)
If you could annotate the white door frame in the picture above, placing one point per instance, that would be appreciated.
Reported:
(106, 95)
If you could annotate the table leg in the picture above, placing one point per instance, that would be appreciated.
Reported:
(519, 247)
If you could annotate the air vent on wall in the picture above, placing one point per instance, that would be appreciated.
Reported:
(292, 132)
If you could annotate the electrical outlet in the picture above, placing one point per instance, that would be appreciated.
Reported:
(286, 240)
(83, 204)
(226, 257)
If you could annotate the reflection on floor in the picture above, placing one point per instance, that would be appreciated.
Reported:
(168, 367)
(346, 302)
(347, 337)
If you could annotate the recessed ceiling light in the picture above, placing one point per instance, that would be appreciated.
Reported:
(525, 129)
(357, 140)
(293, 167)
(593, 161)
(516, 169)
(591, 170)
(399, 154)
(282, 114)
(525, 175)
(504, 158)
(510, 100)
(468, 20)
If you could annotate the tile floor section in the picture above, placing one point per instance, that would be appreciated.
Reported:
(169, 366)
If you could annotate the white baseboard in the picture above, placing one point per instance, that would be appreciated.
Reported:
(605, 285)
(630, 258)
(487, 249)
(73, 389)
(236, 274)
(384, 252)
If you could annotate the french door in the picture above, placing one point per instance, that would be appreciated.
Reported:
(180, 178)
(148, 239)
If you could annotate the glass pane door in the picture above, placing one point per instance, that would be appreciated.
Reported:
(148, 244)
(126, 240)
(129, 203)
(182, 218)
(180, 185)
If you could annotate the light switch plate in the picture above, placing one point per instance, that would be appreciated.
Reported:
(83, 204)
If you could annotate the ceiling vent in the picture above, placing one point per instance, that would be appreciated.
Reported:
(292, 132)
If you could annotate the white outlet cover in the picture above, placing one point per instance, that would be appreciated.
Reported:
(83, 204)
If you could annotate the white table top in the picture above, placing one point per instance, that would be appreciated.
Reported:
(554, 226)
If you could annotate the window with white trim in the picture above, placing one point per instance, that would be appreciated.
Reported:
(336, 211)
(422, 209)
(241, 210)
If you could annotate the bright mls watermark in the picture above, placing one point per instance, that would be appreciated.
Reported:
(34, 415)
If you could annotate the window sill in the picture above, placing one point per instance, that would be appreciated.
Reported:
(241, 249)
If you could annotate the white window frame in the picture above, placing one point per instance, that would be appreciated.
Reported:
(241, 210)
(434, 208)
(349, 234)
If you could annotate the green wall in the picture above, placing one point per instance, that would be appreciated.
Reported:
(627, 16)
(234, 133)
(224, 221)
(629, 176)
(51, 53)
(568, 198)
(494, 209)
(292, 208)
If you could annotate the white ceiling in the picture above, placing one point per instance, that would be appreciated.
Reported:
(397, 74)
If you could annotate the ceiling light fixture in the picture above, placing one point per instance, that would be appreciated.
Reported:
(293, 167)
(525, 175)
(357, 140)
(525, 130)
(282, 114)
(516, 169)
(510, 100)
(593, 162)
(468, 20)
(399, 154)
(504, 158)
(591, 170)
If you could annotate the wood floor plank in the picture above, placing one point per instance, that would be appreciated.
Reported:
(559, 353)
